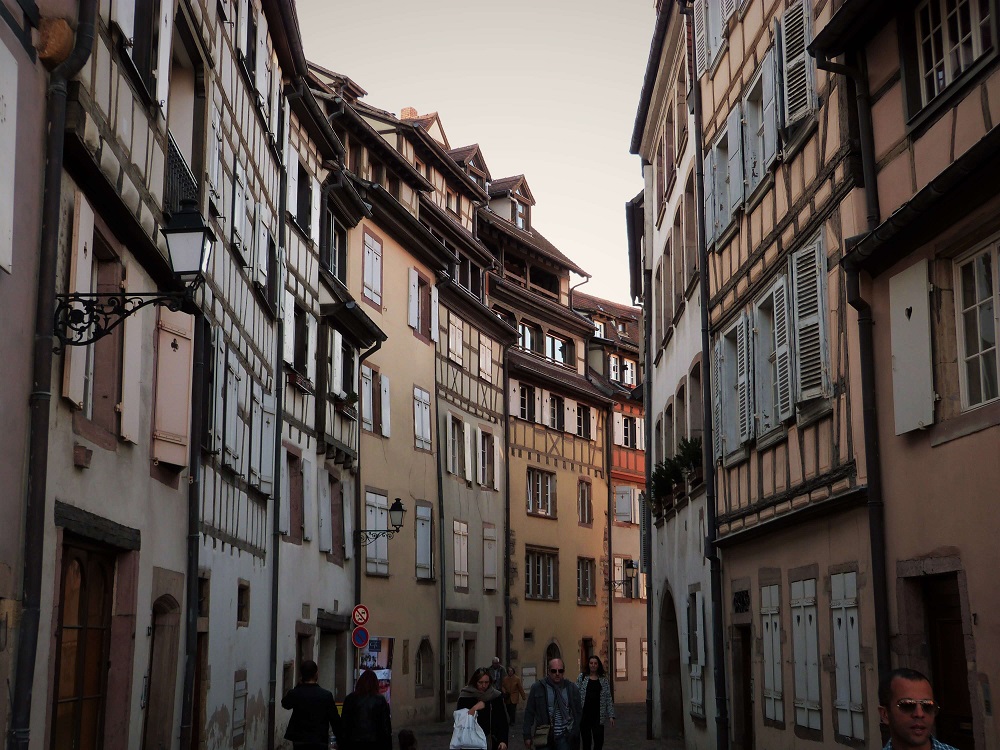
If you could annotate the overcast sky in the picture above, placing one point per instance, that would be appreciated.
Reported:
(547, 88)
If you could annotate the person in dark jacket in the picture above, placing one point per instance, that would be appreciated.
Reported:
(486, 703)
(365, 723)
(314, 712)
(554, 701)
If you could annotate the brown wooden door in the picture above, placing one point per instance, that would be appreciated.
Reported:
(162, 675)
(946, 644)
(743, 738)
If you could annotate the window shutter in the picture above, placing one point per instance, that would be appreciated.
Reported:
(262, 74)
(480, 464)
(569, 416)
(640, 434)
(311, 350)
(256, 429)
(710, 196)
(700, 37)
(413, 301)
(912, 351)
(424, 542)
(324, 517)
(619, 429)
(292, 165)
(288, 345)
(467, 437)
(348, 515)
(377, 272)
(386, 403)
(449, 453)
(336, 384)
(219, 371)
(593, 424)
(239, 210)
(770, 112)
(744, 366)
(284, 501)
(434, 314)
(643, 542)
(490, 558)
(367, 399)
(797, 74)
(163, 56)
(268, 424)
(812, 358)
(275, 93)
(131, 396)
(734, 136)
(539, 415)
(623, 508)
(233, 436)
(728, 8)
(699, 605)
(368, 263)
(717, 429)
(497, 456)
(172, 399)
(81, 265)
(316, 194)
(123, 14)
(308, 497)
(783, 353)
(260, 256)
(241, 24)
(215, 154)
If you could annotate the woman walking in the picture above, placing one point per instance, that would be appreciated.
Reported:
(597, 706)
(365, 722)
(486, 703)
(513, 692)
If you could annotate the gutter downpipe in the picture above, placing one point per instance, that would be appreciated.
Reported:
(357, 486)
(858, 74)
(443, 594)
(647, 325)
(708, 440)
(41, 393)
(508, 616)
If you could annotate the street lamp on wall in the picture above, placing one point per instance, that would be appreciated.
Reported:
(631, 570)
(82, 318)
(396, 513)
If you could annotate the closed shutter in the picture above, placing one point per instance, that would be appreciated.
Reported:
(770, 112)
(316, 195)
(782, 351)
(700, 37)
(912, 350)
(260, 255)
(215, 155)
(490, 558)
(233, 435)
(172, 399)
(497, 457)
(292, 165)
(469, 449)
(848, 702)
(771, 622)
(569, 416)
(284, 501)
(413, 299)
(710, 196)
(424, 570)
(619, 429)
(324, 518)
(131, 406)
(435, 318)
(268, 425)
(640, 434)
(81, 268)
(717, 399)
(256, 432)
(262, 74)
(218, 390)
(311, 349)
(288, 343)
(805, 650)
(163, 55)
(734, 136)
(386, 403)
(797, 73)
(377, 272)
(744, 366)
(308, 498)
(242, 13)
(240, 241)
(336, 384)
(623, 506)
(812, 357)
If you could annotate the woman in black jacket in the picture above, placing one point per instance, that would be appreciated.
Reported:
(365, 723)
(486, 703)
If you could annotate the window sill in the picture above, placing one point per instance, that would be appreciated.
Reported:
(800, 133)
(301, 382)
(93, 432)
(772, 437)
(585, 603)
(544, 516)
(759, 191)
(812, 411)
(540, 599)
(967, 423)
(373, 574)
(737, 457)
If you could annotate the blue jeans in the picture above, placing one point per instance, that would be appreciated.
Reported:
(563, 742)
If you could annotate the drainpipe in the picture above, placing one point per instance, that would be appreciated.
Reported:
(357, 484)
(508, 617)
(41, 393)
(647, 388)
(608, 456)
(858, 74)
(708, 435)
(442, 629)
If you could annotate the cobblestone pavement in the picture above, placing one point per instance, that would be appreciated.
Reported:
(629, 732)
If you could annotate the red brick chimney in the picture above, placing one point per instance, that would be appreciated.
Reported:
(408, 113)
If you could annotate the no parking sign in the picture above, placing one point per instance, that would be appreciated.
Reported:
(359, 637)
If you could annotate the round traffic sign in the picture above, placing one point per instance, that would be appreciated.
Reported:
(360, 614)
(359, 637)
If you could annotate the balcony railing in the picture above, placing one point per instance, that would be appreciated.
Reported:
(181, 182)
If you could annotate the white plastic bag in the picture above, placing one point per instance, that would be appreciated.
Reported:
(467, 735)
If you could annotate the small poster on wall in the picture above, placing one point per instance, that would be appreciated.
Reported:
(377, 656)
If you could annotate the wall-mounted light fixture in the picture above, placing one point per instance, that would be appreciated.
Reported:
(396, 513)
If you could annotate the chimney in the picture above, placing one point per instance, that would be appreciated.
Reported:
(408, 113)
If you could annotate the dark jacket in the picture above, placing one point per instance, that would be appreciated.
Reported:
(492, 719)
(314, 713)
(536, 709)
(365, 723)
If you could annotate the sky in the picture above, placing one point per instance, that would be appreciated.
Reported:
(547, 88)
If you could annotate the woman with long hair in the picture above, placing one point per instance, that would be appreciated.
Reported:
(513, 693)
(365, 722)
(486, 703)
(597, 707)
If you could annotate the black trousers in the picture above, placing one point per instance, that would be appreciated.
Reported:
(593, 731)
(511, 713)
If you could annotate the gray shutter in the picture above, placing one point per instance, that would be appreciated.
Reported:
(797, 74)
(717, 435)
(256, 430)
(783, 351)
(744, 366)
(734, 135)
(386, 408)
(163, 56)
(288, 344)
(413, 299)
(912, 349)
(324, 515)
(311, 347)
(709, 183)
(700, 38)
(812, 357)
(219, 392)
(770, 113)
(435, 323)
(268, 426)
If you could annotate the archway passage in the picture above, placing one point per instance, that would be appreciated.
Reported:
(669, 671)
(161, 679)
(552, 651)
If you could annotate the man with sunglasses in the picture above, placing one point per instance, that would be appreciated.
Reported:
(554, 701)
(907, 707)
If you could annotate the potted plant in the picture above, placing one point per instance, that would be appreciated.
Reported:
(346, 404)
(689, 455)
(666, 478)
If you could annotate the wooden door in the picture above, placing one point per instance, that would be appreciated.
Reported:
(743, 738)
(949, 671)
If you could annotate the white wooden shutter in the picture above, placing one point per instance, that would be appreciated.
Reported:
(593, 425)
(435, 319)
(268, 425)
(912, 352)
(239, 210)
(623, 506)
(172, 400)
(324, 517)
(256, 433)
(413, 299)
(640, 434)
(700, 37)
(569, 416)
(262, 74)
(539, 415)
(710, 201)
(497, 457)
(424, 542)
(215, 155)
(461, 530)
(734, 136)
(311, 350)
(163, 56)
(336, 384)
(386, 403)
(728, 7)
(288, 344)
(292, 165)
(480, 464)
(275, 111)
(308, 498)
(770, 615)
(717, 399)
(377, 272)
(812, 357)
(797, 73)
(699, 604)
(770, 112)
(260, 255)
(284, 501)
(619, 429)
(469, 448)
(450, 436)
(233, 436)
(805, 650)
(123, 14)
(131, 406)
(848, 702)
(242, 13)
(316, 194)
(81, 268)
(744, 367)
(490, 558)
(218, 390)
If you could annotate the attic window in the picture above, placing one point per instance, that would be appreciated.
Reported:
(453, 199)
(520, 212)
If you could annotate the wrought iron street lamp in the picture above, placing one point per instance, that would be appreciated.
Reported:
(396, 512)
(82, 318)
(631, 570)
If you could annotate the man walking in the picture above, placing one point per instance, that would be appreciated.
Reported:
(907, 707)
(314, 712)
(496, 673)
(556, 702)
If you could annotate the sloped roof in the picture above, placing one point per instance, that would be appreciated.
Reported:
(472, 154)
(582, 301)
(533, 239)
(541, 370)
(506, 185)
(430, 122)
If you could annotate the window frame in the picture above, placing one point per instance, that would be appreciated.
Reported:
(422, 427)
(586, 579)
(585, 503)
(541, 579)
(991, 250)
(540, 482)
(372, 262)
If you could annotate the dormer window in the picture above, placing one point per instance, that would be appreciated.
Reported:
(599, 329)
(520, 211)
(453, 201)
(529, 337)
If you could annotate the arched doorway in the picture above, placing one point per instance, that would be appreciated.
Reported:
(552, 651)
(669, 671)
(161, 678)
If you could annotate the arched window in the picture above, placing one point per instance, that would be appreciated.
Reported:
(423, 669)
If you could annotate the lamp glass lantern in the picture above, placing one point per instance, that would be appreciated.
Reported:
(631, 569)
(396, 512)
(189, 243)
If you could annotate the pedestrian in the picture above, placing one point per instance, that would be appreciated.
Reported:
(555, 702)
(407, 740)
(513, 693)
(485, 702)
(597, 707)
(496, 672)
(366, 723)
(907, 707)
(314, 712)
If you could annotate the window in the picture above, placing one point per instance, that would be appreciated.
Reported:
(797, 76)
(724, 177)
(541, 574)
(527, 405)
(520, 210)
(487, 466)
(629, 372)
(760, 129)
(425, 549)
(733, 408)
(557, 349)
(696, 651)
(541, 492)
(145, 35)
(848, 680)
(250, 48)
(376, 518)
(950, 36)
(630, 434)
(614, 367)
(103, 379)
(455, 335)
(772, 375)
(626, 504)
(805, 654)
(586, 575)
(627, 589)
(599, 329)
(461, 541)
(453, 201)
(977, 305)
(421, 312)
(373, 268)
(584, 503)
(423, 666)
(529, 337)
(555, 416)
(296, 512)
(243, 603)
(301, 336)
(459, 450)
(770, 617)
(333, 253)
(621, 659)
(304, 199)
(583, 418)
(485, 358)
(375, 401)
(421, 418)
(489, 557)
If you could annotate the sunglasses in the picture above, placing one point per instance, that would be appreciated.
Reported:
(909, 705)
(556, 671)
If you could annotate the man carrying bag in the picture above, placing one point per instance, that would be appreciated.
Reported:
(552, 712)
